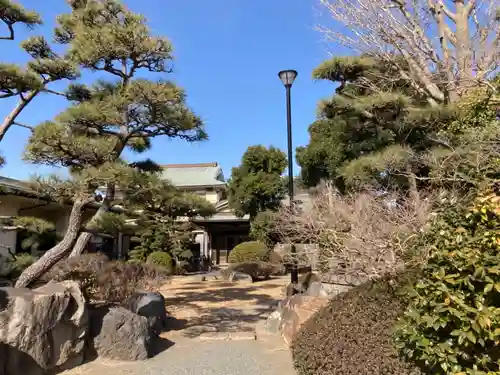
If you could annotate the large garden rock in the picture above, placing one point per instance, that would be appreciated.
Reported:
(292, 312)
(319, 289)
(42, 330)
(118, 333)
(240, 277)
(151, 305)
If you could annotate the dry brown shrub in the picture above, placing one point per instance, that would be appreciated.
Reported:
(105, 280)
(364, 235)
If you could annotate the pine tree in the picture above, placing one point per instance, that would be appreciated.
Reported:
(160, 206)
(257, 184)
(120, 112)
(370, 133)
(45, 67)
(382, 136)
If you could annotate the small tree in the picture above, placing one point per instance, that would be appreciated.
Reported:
(256, 185)
(161, 208)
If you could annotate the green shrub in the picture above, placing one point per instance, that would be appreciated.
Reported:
(22, 261)
(250, 251)
(11, 266)
(452, 324)
(352, 335)
(263, 228)
(160, 258)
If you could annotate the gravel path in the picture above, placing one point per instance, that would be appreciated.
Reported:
(214, 335)
(195, 357)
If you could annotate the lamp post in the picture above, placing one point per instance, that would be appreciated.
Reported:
(287, 77)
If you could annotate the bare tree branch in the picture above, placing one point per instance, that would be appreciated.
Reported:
(363, 235)
(388, 30)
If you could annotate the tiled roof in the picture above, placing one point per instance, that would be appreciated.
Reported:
(187, 175)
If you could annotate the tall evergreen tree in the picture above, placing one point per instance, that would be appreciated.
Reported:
(117, 113)
(257, 184)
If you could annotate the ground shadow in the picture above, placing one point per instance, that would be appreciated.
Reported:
(220, 306)
(159, 345)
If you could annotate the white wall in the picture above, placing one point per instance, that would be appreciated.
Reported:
(8, 207)
(211, 196)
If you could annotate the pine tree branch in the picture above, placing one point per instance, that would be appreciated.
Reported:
(55, 92)
(11, 33)
(23, 125)
(11, 118)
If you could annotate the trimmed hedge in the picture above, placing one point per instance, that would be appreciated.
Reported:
(161, 259)
(352, 335)
(251, 251)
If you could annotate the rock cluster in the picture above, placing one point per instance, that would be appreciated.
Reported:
(51, 328)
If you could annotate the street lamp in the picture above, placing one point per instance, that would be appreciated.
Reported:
(287, 77)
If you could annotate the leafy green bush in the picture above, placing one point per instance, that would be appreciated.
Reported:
(352, 335)
(160, 258)
(21, 262)
(250, 251)
(453, 322)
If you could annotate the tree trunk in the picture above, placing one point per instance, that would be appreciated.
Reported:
(413, 189)
(54, 255)
(9, 120)
(463, 47)
(85, 237)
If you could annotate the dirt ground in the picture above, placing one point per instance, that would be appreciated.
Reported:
(204, 315)
(202, 307)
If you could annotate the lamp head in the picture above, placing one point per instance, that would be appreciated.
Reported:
(287, 77)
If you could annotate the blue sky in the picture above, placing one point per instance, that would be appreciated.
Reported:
(227, 55)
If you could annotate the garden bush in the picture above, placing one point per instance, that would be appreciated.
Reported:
(104, 280)
(262, 228)
(11, 266)
(161, 259)
(452, 325)
(352, 335)
(251, 251)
